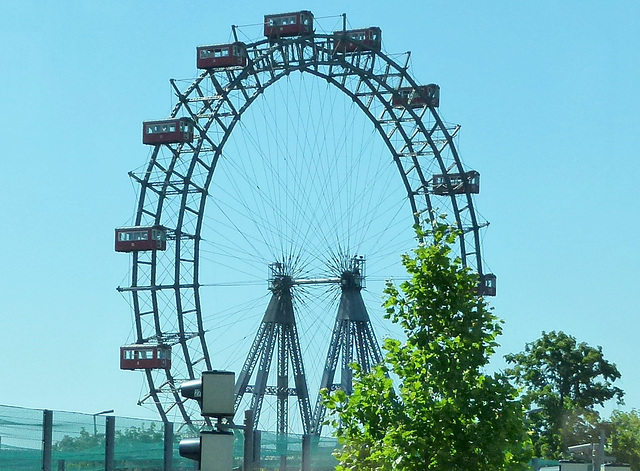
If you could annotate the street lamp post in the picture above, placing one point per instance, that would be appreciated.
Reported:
(95, 428)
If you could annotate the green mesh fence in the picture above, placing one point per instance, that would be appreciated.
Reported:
(285, 452)
(78, 443)
(20, 439)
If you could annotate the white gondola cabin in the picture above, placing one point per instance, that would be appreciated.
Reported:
(141, 238)
(145, 356)
(407, 97)
(299, 23)
(167, 131)
(367, 39)
(221, 56)
(460, 183)
(487, 285)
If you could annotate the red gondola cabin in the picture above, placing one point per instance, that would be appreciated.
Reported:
(407, 97)
(167, 131)
(457, 180)
(142, 357)
(222, 55)
(140, 238)
(299, 23)
(368, 39)
(487, 285)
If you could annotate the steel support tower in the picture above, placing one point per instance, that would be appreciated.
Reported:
(278, 327)
(352, 340)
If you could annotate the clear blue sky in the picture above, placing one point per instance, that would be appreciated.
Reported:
(546, 93)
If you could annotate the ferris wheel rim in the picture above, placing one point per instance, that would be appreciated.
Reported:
(264, 50)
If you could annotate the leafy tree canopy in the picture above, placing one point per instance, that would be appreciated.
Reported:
(562, 382)
(83, 441)
(625, 437)
(445, 413)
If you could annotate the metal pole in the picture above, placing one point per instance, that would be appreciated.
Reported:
(168, 446)
(257, 446)
(109, 444)
(47, 437)
(248, 441)
(598, 457)
(95, 426)
(306, 452)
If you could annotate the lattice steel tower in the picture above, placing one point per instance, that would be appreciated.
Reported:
(278, 327)
(352, 339)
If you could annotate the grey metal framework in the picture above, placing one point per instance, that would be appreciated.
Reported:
(166, 287)
(278, 327)
(352, 339)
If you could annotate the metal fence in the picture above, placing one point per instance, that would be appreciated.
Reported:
(44, 440)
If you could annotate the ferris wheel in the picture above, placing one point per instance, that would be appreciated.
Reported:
(314, 156)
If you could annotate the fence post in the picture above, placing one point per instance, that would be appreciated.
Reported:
(47, 437)
(168, 446)
(109, 444)
(257, 448)
(248, 457)
(306, 452)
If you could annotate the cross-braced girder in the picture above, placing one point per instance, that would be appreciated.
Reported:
(352, 340)
(278, 327)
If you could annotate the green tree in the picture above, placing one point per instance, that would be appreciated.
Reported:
(562, 382)
(624, 437)
(142, 447)
(83, 441)
(446, 413)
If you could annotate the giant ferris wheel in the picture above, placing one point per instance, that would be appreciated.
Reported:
(278, 197)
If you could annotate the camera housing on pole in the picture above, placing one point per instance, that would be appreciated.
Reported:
(213, 449)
